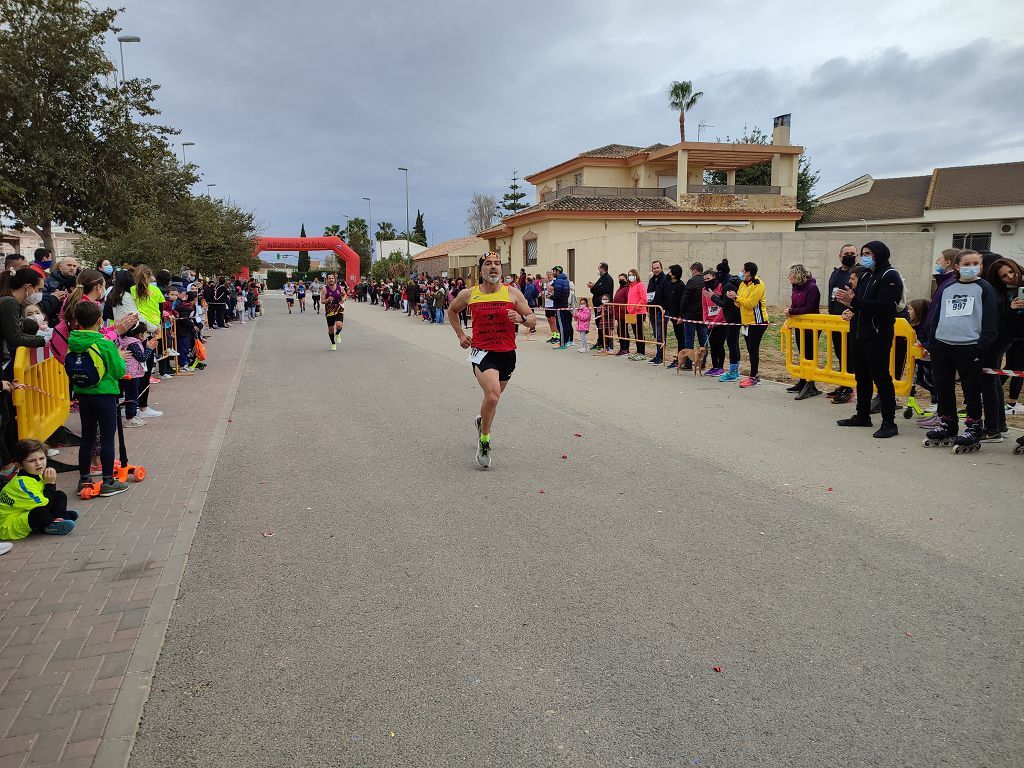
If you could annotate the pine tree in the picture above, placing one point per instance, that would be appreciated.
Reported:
(419, 232)
(303, 265)
(513, 199)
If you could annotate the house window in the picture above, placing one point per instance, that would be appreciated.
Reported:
(558, 184)
(577, 180)
(975, 241)
(530, 251)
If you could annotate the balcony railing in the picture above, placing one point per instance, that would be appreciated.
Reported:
(609, 192)
(731, 189)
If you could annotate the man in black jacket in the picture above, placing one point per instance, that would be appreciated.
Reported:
(874, 305)
(603, 287)
(692, 307)
(657, 295)
(839, 279)
(674, 309)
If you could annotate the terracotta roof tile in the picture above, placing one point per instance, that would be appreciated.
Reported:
(443, 249)
(977, 186)
(631, 205)
(611, 150)
(901, 198)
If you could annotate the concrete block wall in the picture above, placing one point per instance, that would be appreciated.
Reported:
(775, 252)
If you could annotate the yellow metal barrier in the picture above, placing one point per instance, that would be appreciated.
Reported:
(815, 363)
(43, 406)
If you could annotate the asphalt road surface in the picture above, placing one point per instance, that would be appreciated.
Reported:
(861, 598)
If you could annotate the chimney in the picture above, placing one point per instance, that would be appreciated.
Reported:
(780, 131)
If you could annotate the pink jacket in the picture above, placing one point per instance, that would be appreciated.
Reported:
(636, 303)
(712, 312)
(582, 319)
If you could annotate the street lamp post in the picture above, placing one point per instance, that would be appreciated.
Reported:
(183, 145)
(121, 40)
(369, 213)
(408, 229)
(208, 194)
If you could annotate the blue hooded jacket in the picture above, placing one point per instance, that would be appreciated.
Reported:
(560, 287)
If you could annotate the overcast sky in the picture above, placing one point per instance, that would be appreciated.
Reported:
(300, 109)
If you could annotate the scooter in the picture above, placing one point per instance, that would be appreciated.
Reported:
(122, 469)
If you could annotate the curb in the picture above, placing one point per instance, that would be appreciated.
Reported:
(119, 736)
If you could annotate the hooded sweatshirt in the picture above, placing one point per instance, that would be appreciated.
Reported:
(878, 292)
(806, 298)
(79, 341)
(968, 315)
(731, 311)
(690, 305)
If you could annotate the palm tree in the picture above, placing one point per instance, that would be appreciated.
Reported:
(682, 99)
(335, 230)
(386, 231)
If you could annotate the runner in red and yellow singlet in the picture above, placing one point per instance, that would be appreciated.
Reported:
(496, 309)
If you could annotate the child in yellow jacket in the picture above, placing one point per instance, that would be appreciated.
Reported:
(30, 502)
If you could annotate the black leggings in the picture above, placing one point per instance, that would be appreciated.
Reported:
(870, 357)
(144, 385)
(753, 338)
(716, 340)
(638, 331)
(99, 414)
(949, 361)
(40, 517)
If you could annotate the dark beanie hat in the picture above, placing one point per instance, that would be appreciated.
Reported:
(880, 249)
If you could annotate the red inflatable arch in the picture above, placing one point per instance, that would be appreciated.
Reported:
(345, 254)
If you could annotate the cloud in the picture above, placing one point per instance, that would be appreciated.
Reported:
(301, 109)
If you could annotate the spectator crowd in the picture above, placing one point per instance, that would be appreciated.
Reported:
(118, 332)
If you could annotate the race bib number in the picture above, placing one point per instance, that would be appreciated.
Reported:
(476, 356)
(650, 296)
(713, 311)
(959, 306)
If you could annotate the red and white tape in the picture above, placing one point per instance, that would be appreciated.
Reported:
(712, 323)
(999, 372)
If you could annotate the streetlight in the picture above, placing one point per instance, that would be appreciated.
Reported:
(183, 145)
(208, 190)
(121, 40)
(369, 230)
(408, 229)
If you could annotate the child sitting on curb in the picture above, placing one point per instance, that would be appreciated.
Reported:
(95, 367)
(31, 502)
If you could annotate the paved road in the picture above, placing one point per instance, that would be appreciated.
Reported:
(861, 597)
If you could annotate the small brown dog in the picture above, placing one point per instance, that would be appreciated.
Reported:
(698, 356)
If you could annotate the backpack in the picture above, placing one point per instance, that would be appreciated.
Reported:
(901, 303)
(85, 369)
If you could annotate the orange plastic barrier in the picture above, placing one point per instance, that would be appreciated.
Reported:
(43, 406)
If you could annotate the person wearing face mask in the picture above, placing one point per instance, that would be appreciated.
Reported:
(874, 305)
(1006, 278)
(674, 309)
(731, 317)
(603, 286)
(16, 286)
(620, 300)
(107, 270)
(966, 328)
(754, 316)
(636, 309)
(713, 319)
(838, 280)
(691, 305)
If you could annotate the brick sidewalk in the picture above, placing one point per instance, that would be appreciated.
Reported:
(82, 617)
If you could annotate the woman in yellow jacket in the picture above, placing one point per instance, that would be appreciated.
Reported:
(754, 316)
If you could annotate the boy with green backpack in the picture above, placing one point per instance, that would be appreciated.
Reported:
(95, 367)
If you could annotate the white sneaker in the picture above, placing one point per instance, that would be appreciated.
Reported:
(135, 421)
(167, 376)
(149, 413)
(51, 452)
(5, 547)
(1017, 409)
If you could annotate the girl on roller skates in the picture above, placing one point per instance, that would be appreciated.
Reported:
(962, 331)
